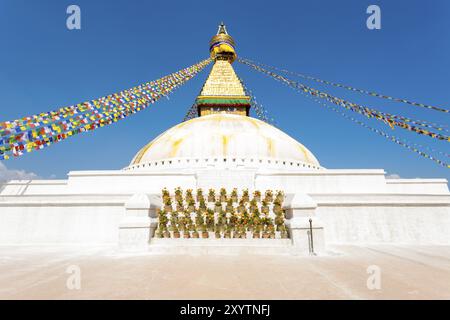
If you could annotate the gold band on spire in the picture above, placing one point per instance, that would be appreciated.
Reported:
(222, 45)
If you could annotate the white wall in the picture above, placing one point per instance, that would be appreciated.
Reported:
(319, 181)
(323, 181)
(120, 182)
(378, 224)
(23, 187)
(429, 186)
(60, 220)
(356, 206)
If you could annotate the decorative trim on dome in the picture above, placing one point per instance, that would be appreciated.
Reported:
(221, 162)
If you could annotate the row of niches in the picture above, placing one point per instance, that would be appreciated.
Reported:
(222, 215)
(276, 163)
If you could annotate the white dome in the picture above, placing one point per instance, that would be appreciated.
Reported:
(224, 138)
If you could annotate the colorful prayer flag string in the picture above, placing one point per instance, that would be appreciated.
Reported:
(28, 134)
(260, 111)
(148, 91)
(370, 93)
(389, 119)
(162, 84)
(414, 147)
(192, 113)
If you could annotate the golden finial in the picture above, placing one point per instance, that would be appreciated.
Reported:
(222, 29)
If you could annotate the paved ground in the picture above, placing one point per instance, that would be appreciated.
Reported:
(406, 273)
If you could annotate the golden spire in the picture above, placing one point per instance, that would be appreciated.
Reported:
(222, 91)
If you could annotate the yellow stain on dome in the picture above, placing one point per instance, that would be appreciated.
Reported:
(175, 146)
(254, 122)
(221, 136)
(142, 152)
(146, 148)
(225, 145)
(270, 147)
(305, 153)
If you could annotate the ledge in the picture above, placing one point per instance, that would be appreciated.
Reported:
(328, 172)
(414, 181)
(63, 200)
(125, 173)
(380, 199)
(34, 182)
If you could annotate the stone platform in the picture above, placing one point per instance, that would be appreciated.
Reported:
(222, 246)
(407, 272)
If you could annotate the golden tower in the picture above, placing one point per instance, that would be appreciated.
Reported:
(222, 92)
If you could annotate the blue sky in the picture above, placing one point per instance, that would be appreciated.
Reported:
(44, 66)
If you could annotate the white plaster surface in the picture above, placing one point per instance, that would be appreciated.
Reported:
(407, 272)
(388, 224)
(325, 181)
(355, 206)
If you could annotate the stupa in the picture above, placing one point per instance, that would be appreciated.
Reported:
(240, 159)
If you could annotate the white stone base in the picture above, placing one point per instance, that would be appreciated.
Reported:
(111, 207)
(134, 238)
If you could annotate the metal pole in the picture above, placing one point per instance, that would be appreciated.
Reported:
(311, 238)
